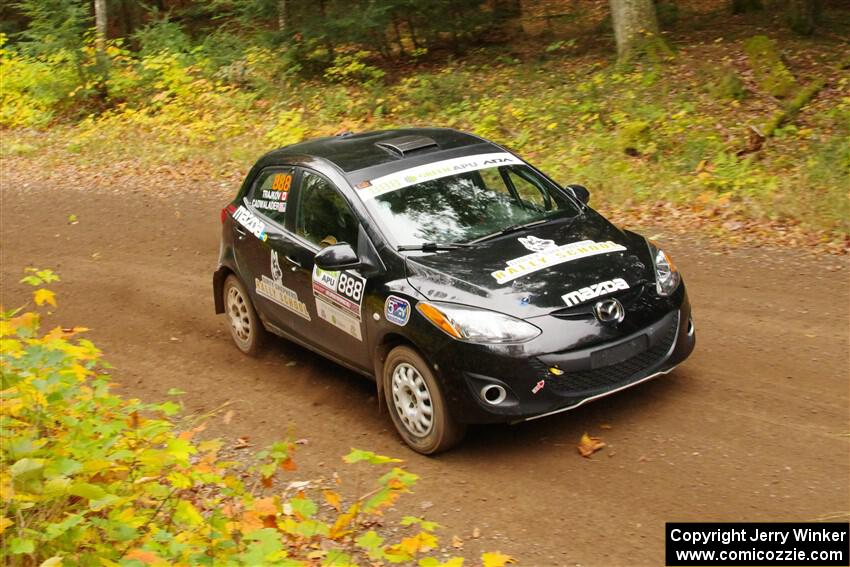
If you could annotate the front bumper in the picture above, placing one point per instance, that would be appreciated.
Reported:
(543, 383)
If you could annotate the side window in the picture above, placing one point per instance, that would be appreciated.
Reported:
(271, 192)
(324, 217)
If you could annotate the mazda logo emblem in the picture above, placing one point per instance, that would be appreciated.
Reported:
(609, 311)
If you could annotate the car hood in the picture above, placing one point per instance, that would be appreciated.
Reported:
(526, 273)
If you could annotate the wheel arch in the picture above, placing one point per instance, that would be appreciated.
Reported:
(379, 355)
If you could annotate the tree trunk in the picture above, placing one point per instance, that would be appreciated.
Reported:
(282, 15)
(802, 15)
(100, 26)
(507, 16)
(744, 6)
(635, 28)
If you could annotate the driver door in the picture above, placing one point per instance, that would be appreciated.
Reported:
(335, 299)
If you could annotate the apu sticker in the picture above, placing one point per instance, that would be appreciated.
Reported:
(530, 263)
(272, 288)
(595, 290)
(339, 297)
(397, 310)
(431, 171)
(254, 225)
(538, 386)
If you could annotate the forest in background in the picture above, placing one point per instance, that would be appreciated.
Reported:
(731, 114)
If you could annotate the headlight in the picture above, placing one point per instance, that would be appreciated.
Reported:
(666, 275)
(477, 325)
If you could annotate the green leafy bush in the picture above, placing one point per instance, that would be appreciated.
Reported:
(352, 68)
(89, 477)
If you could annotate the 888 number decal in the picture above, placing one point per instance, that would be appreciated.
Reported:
(351, 287)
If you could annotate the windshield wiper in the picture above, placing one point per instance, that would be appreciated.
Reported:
(508, 230)
(431, 247)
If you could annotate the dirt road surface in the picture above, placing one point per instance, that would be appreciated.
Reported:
(754, 426)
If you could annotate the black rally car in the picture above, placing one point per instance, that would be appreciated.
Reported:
(468, 284)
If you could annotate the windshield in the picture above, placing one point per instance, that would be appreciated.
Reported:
(470, 205)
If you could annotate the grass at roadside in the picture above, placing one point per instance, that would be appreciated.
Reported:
(667, 143)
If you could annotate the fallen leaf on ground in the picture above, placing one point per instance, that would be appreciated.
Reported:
(242, 443)
(606, 426)
(43, 296)
(496, 559)
(291, 363)
(457, 543)
(228, 417)
(476, 533)
(589, 445)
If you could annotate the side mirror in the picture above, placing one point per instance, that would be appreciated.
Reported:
(337, 257)
(580, 192)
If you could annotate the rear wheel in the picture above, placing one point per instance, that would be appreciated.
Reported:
(245, 327)
(416, 403)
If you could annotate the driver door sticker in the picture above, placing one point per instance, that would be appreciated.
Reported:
(549, 257)
(272, 288)
(339, 299)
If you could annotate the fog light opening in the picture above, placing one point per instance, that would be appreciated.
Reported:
(690, 326)
(493, 394)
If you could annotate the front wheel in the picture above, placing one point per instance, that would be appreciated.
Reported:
(416, 403)
(245, 326)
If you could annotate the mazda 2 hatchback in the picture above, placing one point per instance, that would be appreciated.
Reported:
(469, 285)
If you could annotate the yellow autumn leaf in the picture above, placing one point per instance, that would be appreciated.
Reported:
(421, 542)
(589, 445)
(496, 559)
(265, 507)
(42, 296)
(333, 499)
(5, 523)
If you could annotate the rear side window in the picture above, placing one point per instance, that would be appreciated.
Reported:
(324, 218)
(270, 193)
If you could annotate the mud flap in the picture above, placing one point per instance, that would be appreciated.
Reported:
(378, 361)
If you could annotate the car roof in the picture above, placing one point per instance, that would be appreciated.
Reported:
(385, 150)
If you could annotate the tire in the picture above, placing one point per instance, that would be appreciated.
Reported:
(417, 405)
(246, 329)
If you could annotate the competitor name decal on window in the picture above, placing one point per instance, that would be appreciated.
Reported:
(531, 263)
(271, 201)
(435, 170)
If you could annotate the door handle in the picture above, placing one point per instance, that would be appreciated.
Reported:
(295, 263)
(240, 231)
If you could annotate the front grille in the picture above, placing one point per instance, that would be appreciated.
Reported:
(591, 382)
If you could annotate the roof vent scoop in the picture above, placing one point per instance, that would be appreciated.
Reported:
(405, 145)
